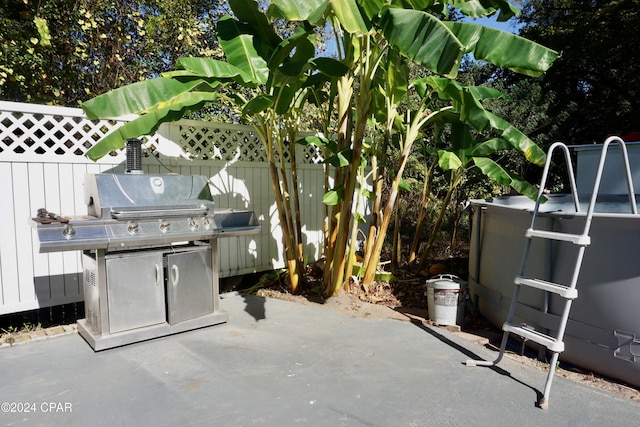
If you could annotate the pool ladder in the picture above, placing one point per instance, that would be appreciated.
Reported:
(568, 292)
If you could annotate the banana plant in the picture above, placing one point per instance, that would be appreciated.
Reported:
(367, 32)
(476, 135)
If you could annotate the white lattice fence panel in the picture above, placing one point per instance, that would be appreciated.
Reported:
(30, 132)
(201, 140)
(63, 134)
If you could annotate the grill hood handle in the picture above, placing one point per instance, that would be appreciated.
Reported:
(171, 212)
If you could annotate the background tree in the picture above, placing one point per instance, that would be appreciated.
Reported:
(65, 51)
(594, 88)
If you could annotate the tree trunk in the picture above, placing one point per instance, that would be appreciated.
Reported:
(457, 214)
(371, 266)
(336, 251)
(288, 239)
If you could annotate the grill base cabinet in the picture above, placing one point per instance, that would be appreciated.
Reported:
(132, 296)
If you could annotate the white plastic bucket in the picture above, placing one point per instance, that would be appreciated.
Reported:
(446, 295)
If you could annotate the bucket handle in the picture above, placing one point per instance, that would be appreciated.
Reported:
(447, 276)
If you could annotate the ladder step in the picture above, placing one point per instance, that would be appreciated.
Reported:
(526, 332)
(577, 239)
(563, 291)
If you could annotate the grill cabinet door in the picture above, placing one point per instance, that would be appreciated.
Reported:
(135, 288)
(189, 285)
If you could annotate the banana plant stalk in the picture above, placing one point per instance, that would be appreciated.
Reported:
(425, 198)
(283, 205)
(420, 117)
(455, 179)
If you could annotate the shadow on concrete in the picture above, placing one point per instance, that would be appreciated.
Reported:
(474, 356)
(255, 306)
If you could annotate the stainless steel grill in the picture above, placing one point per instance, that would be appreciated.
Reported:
(150, 254)
(137, 211)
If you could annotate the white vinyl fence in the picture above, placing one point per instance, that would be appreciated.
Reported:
(42, 165)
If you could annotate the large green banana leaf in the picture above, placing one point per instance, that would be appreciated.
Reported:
(503, 49)
(240, 51)
(462, 141)
(148, 123)
(372, 8)
(296, 10)
(439, 45)
(448, 160)
(315, 12)
(490, 146)
(465, 151)
(284, 48)
(466, 101)
(248, 11)
(501, 176)
(205, 67)
(349, 16)
(257, 105)
(471, 8)
(423, 38)
(479, 8)
(292, 54)
(520, 141)
(329, 66)
(137, 98)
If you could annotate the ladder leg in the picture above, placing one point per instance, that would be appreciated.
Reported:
(505, 335)
(544, 400)
(503, 347)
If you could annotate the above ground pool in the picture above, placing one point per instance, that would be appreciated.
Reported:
(603, 332)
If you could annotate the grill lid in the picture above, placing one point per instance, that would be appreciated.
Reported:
(135, 196)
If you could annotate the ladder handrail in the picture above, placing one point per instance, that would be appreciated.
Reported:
(545, 174)
(627, 169)
(596, 183)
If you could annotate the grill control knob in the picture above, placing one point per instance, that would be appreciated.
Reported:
(206, 223)
(133, 228)
(68, 231)
(192, 223)
(165, 226)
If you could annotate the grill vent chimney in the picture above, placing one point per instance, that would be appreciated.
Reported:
(134, 157)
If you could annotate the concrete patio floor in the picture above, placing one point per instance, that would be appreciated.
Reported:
(279, 363)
